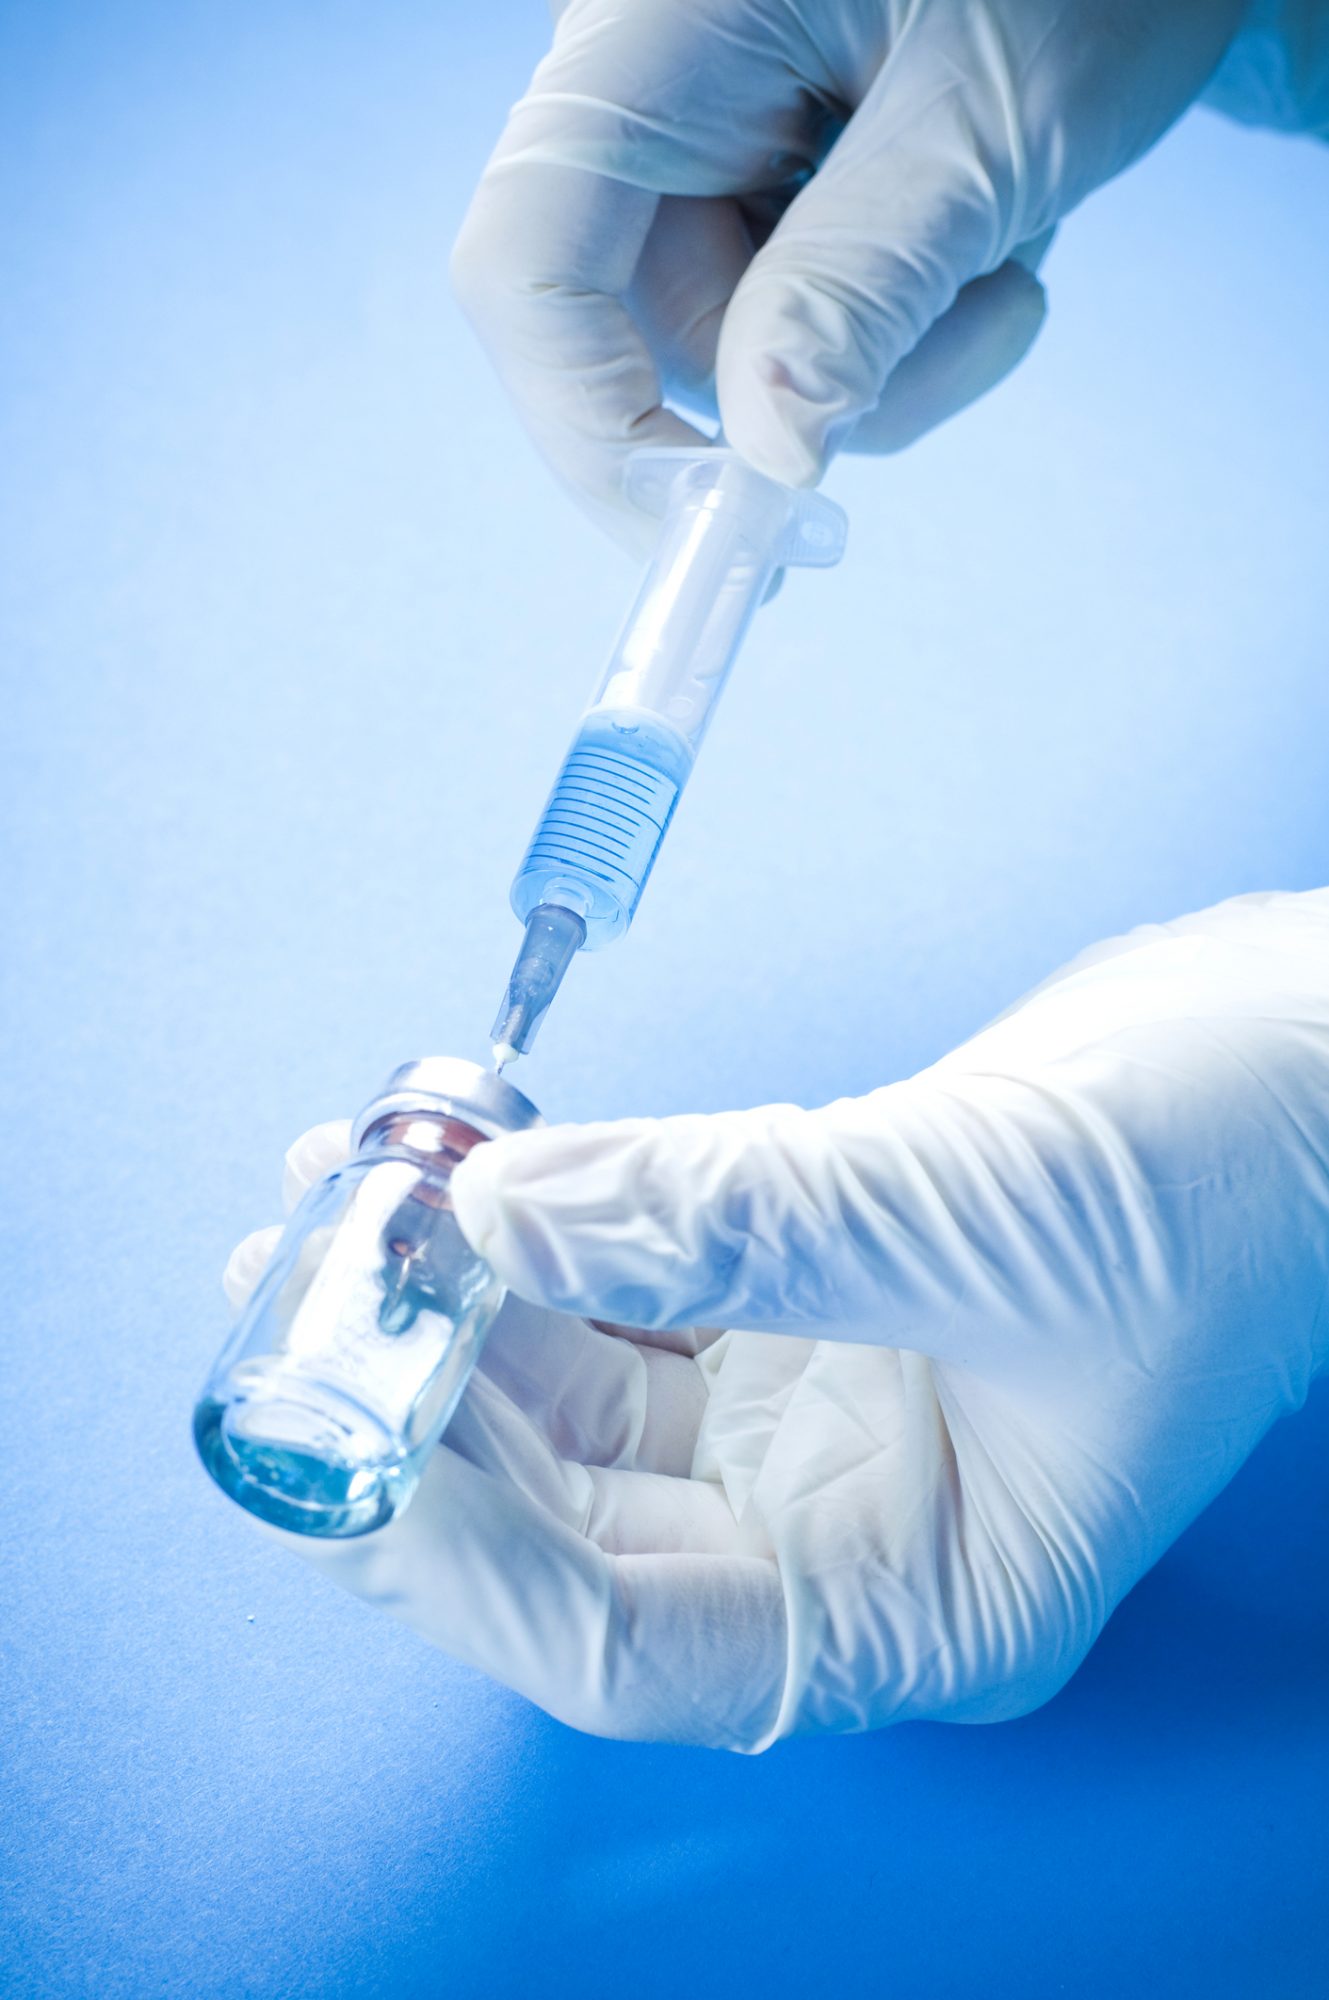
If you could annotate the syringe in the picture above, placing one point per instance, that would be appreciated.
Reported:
(726, 531)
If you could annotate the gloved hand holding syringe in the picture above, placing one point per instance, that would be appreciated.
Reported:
(726, 532)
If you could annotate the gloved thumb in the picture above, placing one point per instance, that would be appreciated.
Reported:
(924, 192)
(648, 1222)
(861, 1220)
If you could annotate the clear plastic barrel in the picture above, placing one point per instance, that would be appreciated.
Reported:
(726, 531)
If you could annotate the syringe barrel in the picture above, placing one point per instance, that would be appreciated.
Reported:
(726, 531)
(721, 543)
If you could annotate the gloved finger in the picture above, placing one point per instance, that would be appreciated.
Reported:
(643, 1513)
(923, 192)
(1000, 1211)
(489, 1430)
(755, 1377)
(750, 1219)
(667, 1648)
(598, 1398)
(675, 1406)
(621, 1509)
(698, 250)
(973, 346)
(694, 256)
(541, 266)
(314, 1154)
(246, 1265)
(901, 1218)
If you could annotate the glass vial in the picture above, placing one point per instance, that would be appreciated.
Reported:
(343, 1370)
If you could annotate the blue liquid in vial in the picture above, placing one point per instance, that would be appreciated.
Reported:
(606, 817)
(318, 1463)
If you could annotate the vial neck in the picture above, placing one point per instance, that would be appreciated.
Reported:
(435, 1139)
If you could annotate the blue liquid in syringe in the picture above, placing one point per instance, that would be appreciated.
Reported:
(606, 817)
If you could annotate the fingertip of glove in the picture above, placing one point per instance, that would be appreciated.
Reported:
(246, 1265)
(789, 382)
(770, 425)
(535, 1206)
(314, 1154)
(473, 1198)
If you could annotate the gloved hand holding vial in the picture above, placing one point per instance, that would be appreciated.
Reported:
(997, 1334)
(790, 1420)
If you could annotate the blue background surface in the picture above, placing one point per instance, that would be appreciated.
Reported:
(294, 629)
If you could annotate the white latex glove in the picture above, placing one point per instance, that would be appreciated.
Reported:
(671, 214)
(1085, 1263)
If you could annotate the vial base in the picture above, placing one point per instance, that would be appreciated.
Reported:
(302, 1457)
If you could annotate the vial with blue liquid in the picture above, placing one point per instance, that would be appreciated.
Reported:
(726, 533)
(344, 1369)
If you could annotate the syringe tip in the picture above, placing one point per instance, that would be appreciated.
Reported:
(552, 938)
